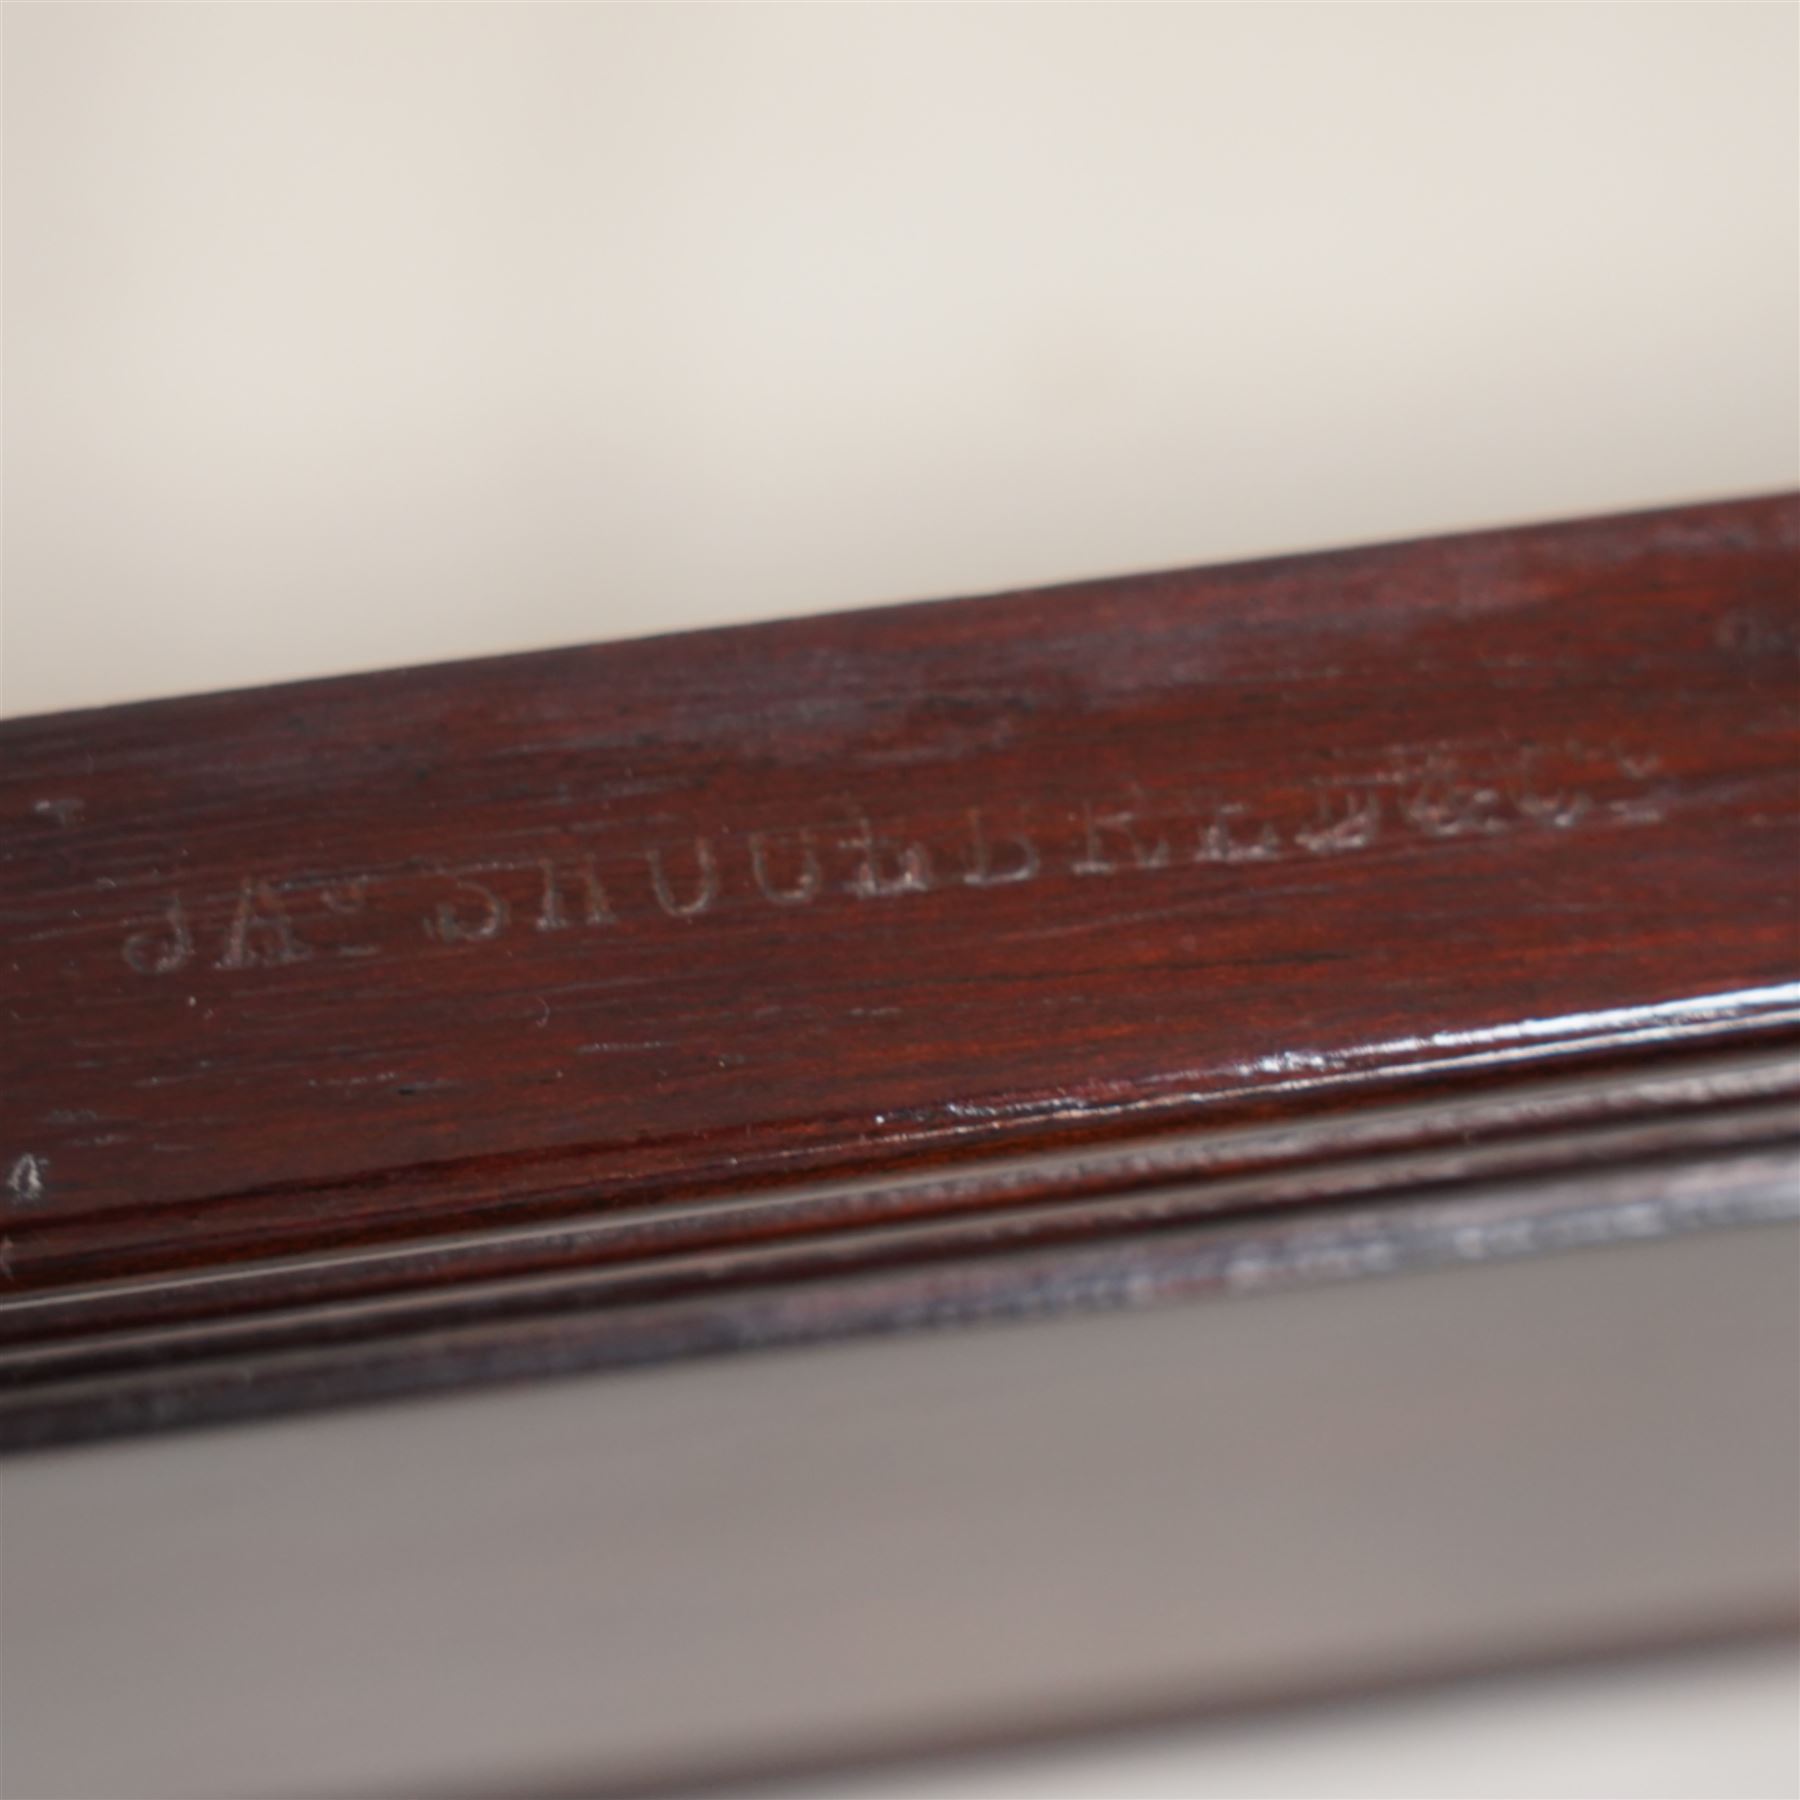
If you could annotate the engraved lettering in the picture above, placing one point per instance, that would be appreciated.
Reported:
(1442, 806)
(28, 1180)
(1408, 793)
(1753, 634)
(885, 868)
(485, 920)
(1638, 809)
(261, 931)
(348, 898)
(985, 870)
(1219, 846)
(799, 892)
(705, 893)
(1121, 826)
(1345, 820)
(1559, 809)
(161, 949)
(553, 914)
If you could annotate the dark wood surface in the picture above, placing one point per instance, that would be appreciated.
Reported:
(550, 999)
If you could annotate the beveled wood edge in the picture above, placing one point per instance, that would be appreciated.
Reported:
(1552, 1167)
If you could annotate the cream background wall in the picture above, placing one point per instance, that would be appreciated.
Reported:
(343, 336)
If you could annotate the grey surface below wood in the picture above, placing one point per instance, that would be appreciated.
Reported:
(724, 1564)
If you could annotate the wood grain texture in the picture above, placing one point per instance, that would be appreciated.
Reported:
(590, 981)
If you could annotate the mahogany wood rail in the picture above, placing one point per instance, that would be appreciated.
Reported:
(1061, 949)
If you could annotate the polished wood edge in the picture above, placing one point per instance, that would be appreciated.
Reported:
(1414, 1143)
(1554, 1166)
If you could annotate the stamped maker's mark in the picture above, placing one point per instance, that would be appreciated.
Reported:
(274, 921)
